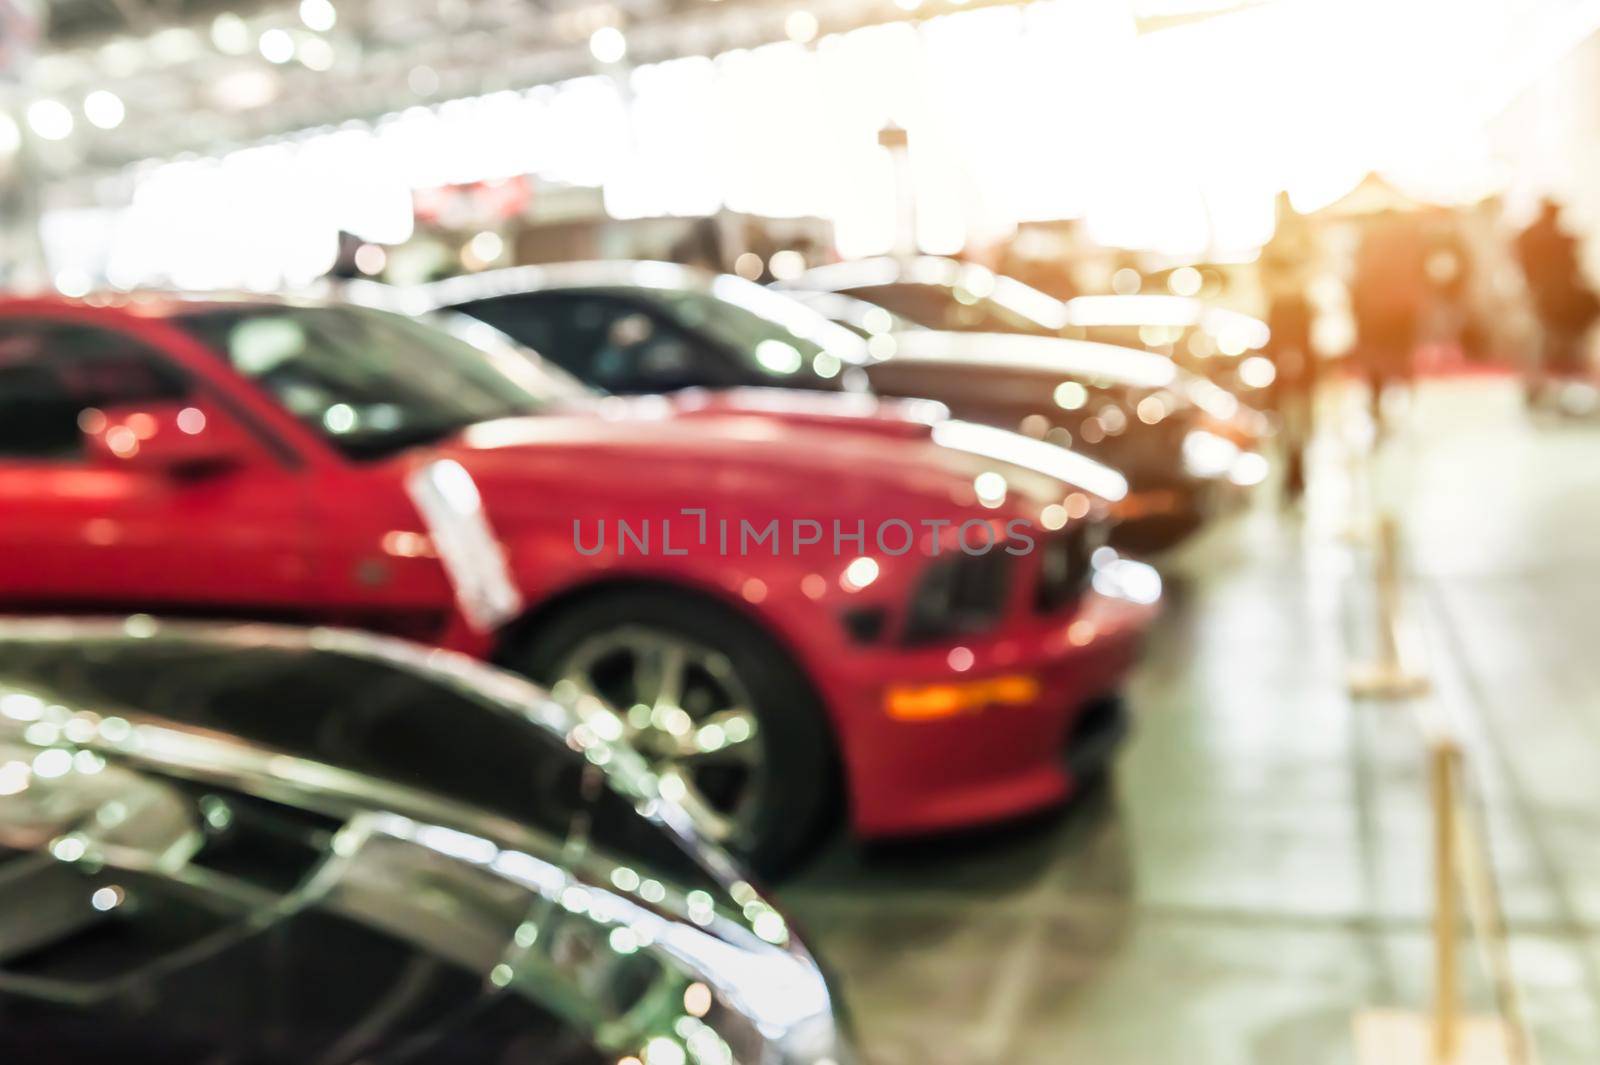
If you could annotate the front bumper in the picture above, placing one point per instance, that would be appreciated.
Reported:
(977, 761)
(1151, 520)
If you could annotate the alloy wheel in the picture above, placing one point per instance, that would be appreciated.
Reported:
(683, 707)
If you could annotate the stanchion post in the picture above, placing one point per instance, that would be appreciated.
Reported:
(1444, 766)
(1388, 676)
(1388, 597)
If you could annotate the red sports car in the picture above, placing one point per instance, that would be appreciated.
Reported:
(779, 598)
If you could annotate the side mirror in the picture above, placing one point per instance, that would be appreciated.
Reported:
(168, 437)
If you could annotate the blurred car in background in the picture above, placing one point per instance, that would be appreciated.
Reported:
(945, 294)
(293, 460)
(952, 296)
(267, 845)
(1188, 448)
(955, 297)
(1218, 343)
(632, 327)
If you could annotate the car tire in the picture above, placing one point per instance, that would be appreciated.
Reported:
(797, 793)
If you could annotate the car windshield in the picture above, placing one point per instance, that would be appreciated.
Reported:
(370, 382)
(779, 338)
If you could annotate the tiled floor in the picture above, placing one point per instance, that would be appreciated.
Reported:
(1259, 870)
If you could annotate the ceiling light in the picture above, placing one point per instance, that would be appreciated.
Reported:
(608, 45)
(316, 54)
(230, 34)
(424, 81)
(277, 46)
(318, 15)
(50, 119)
(801, 26)
(104, 109)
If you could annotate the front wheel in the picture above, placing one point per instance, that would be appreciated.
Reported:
(725, 719)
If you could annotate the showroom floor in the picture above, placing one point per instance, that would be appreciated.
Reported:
(1258, 873)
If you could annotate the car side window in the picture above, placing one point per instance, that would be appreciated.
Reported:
(564, 329)
(51, 372)
(608, 342)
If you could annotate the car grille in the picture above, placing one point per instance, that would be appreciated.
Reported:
(1064, 566)
(959, 594)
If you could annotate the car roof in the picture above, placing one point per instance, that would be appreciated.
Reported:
(607, 273)
(887, 270)
(775, 306)
(933, 270)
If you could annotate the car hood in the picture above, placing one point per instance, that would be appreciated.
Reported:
(772, 449)
(1089, 361)
(607, 953)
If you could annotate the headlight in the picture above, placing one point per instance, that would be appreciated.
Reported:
(1123, 578)
(1064, 564)
(1205, 454)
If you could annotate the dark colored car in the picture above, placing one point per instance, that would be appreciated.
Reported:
(1187, 446)
(654, 327)
(257, 845)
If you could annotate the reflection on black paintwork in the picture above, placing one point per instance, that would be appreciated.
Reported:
(185, 895)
